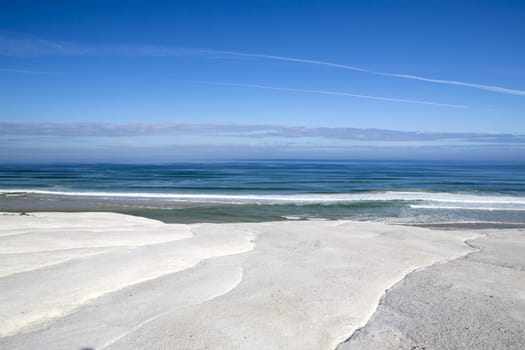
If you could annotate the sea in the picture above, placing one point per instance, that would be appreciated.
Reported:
(395, 192)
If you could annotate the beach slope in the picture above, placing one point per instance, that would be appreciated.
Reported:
(111, 281)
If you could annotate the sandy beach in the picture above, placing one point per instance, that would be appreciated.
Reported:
(262, 175)
(112, 281)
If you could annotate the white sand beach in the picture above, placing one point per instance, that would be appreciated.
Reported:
(111, 281)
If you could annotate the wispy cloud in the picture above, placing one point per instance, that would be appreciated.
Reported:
(12, 44)
(338, 93)
(16, 45)
(13, 128)
(22, 71)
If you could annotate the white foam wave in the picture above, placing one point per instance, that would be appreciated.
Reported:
(432, 221)
(440, 197)
(457, 207)
(289, 217)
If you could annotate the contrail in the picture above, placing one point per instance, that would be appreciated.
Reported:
(288, 59)
(337, 93)
(491, 88)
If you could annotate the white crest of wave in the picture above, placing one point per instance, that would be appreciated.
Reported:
(505, 207)
(440, 197)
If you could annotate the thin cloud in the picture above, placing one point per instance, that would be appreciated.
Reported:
(13, 128)
(22, 71)
(12, 44)
(15, 45)
(337, 93)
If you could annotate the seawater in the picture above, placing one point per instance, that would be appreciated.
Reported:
(393, 192)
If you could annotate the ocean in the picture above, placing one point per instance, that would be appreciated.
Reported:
(397, 192)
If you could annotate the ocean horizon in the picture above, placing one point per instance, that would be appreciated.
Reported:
(395, 192)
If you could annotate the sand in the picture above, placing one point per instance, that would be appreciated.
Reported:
(110, 281)
(473, 302)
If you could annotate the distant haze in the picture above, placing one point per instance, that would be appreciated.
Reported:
(92, 142)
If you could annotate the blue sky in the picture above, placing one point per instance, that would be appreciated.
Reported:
(215, 80)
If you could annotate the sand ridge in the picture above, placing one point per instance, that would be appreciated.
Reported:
(42, 284)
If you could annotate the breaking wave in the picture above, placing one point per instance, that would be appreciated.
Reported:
(460, 200)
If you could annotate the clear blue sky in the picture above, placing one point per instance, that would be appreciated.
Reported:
(436, 67)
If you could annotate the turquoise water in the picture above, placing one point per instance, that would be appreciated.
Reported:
(394, 192)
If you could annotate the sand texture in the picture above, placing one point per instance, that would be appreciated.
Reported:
(110, 281)
(473, 302)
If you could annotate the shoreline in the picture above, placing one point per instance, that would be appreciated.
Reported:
(232, 285)
(153, 215)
